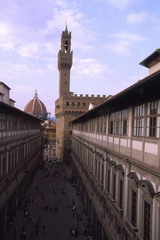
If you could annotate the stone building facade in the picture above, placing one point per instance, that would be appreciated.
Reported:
(115, 153)
(20, 155)
(69, 105)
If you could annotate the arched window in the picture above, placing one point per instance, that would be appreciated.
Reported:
(133, 198)
(148, 192)
(120, 188)
(66, 46)
(113, 165)
(157, 223)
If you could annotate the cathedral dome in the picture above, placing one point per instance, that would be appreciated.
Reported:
(36, 107)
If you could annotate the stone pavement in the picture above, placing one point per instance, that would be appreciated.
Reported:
(51, 207)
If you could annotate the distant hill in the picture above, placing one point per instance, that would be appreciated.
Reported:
(53, 119)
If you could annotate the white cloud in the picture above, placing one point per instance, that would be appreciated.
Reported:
(124, 42)
(52, 67)
(91, 68)
(17, 71)
(76, 22)
(28, 50)
(60, 3)
(22, 89)
(7, 46)
(121, 47)
(129, 37)
(35, 50)
(60, 16)
(4, 29)
(135, 18)
(121, 4)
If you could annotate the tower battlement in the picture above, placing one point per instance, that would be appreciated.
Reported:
(88, 96)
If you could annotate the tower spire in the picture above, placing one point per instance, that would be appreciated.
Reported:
(36, 94)
(66, 30)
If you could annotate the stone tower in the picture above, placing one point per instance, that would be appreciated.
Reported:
(69, 105)
(65, 63)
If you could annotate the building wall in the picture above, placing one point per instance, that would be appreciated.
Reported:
(67, 108)
(20, 156)
(116, 155)
(154, 68)
(5, 90)
(49, 132)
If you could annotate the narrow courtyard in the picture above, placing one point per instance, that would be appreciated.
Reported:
(52, 208)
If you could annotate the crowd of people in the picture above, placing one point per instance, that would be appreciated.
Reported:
(54, 189)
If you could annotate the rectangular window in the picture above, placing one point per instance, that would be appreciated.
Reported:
(111, 127)
(92, 125)
(153, 119)
(124, 126)
(134, 208)
(139, 121)
(3, 121)
(152, 127)
(2, 163)
(118, 122)
(101, 124)
(147, 221)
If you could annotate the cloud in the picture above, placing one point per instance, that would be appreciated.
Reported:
(135, 18)
(76, 22)
(29, 40)
(28, 50)
(22, 89)
(7, 46)
(11, 71)
(129, 36)
(4, 29)
(124, 42)
(121, 47)
(91, 69)
(60, 3)
(38, 50)
(121, 4)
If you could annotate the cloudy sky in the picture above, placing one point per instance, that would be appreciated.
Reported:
(109, 39)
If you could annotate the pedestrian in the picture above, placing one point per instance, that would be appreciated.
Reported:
(24, 234)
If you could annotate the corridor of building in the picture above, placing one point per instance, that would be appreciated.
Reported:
(52, 208)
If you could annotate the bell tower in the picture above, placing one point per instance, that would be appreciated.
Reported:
(65, 63)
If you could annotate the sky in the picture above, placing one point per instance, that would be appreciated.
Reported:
(109, 40)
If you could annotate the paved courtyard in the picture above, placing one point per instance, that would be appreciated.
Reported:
(51, 209)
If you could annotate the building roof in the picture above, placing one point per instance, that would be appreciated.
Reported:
(138, 93)
(12, 109)
(5, 85)
(151, 59)
(35, 106)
